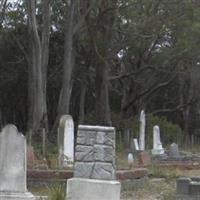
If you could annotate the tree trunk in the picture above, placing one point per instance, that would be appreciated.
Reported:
(38, 62)
(102, 95)
(45, 54)
(102, 44)
(82, 103)
(65, 93)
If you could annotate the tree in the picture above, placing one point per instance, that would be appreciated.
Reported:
(38, 62)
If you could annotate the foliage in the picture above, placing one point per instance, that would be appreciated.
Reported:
(169, 132)
(152, 63)
(57, 192)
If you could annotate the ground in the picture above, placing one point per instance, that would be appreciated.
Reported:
(163, 188)
(161, 184)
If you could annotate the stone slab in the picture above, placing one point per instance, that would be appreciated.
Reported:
(91, 189)
(16, 196)
(187, 197)
(12, 160)
(194, 188)
(182, 185)
(95, 153)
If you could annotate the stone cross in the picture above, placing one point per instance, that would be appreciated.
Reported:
(95, 153)
(157, 145)
(142, 131)
(66, 141)
(13, 165)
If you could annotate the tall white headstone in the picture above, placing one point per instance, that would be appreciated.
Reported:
(66, 141)
(157, 145)
(142, 131)
(13, 165)
(136, 146)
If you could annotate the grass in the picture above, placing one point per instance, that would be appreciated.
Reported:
(163, 172)
(57, 192)
(158, 189)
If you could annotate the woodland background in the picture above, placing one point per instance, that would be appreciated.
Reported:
(101, 61)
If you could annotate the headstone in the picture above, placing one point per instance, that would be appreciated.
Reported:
(66, 141)
(157, 145)
(182, 185)
(142, 131)
(95, 153)
(13, 165)
(95, 169)
(130, 160)
(136, 146)
(174, 151)
(194, 188)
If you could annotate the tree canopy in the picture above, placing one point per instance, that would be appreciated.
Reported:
(99, 58)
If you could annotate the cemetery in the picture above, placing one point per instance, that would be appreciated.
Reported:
(99, 100)
(88, 168)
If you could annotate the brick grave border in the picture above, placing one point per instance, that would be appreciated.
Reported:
(128, 178)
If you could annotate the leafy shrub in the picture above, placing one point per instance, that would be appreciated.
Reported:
(169, 132)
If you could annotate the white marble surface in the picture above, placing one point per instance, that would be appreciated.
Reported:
(136, 145)
(66, 141)
(157, 145)
(12, 160)
(142, 130)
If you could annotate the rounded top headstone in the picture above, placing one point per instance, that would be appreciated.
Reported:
(142, 116)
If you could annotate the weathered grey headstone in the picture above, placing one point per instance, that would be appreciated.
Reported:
(174, 151)
(182, 185)
(13, 165)
(157, 145)
(142, 131)
(95, 169)
(66, 141)
(194, 188)
(95, 153)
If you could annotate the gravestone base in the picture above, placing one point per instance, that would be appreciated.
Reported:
(16, 196)
(157, 151)
(93, 189)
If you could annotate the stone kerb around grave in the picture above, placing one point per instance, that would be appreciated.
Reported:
(13, 165)
(95, 153)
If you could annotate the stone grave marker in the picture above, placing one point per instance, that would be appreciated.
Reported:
(157, 145)
(174, 151)
(142, 131)
(66, 141)
(95, 153)
(94, 169)
(136, 146)
(13, 165)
